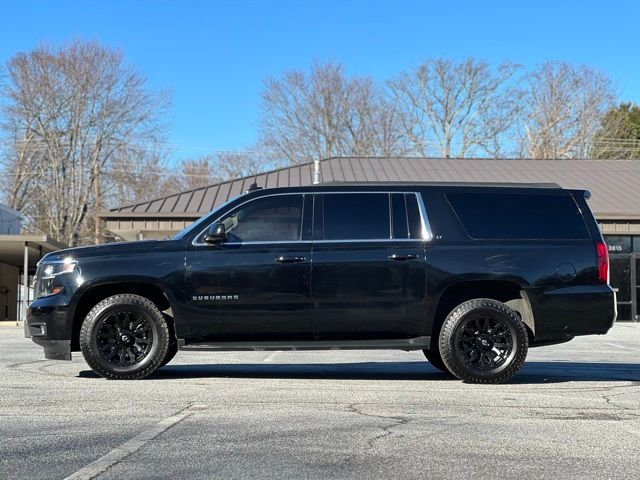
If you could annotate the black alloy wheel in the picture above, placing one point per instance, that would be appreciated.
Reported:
(125, 337)
(483, 341)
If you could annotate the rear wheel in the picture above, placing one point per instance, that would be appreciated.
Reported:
(483, 341)
(125, 337)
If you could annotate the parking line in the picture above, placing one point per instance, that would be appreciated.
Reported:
(121, 452)
(269, 358)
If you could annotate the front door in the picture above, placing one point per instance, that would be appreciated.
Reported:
(368, 273)
(255, 284)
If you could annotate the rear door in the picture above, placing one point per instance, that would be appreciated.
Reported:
(368, 268)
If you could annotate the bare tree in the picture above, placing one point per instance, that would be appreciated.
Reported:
(456, 109)
(325, 114)
(143, 173)
(236, 164)
(194, 173)
(68, 113)
(563, 108)
(217, 167)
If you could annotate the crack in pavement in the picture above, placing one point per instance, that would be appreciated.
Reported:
(387, 429)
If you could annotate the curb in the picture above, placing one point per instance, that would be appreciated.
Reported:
(11, 324)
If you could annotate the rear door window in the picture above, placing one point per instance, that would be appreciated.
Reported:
(399, 216)
(516, 216)
(413, 213)
(356, 216)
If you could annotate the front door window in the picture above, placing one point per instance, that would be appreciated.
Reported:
(272, 219)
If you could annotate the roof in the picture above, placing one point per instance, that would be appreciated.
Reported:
(12, 248)
(614, 184)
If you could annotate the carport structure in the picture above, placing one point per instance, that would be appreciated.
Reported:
(19, 255)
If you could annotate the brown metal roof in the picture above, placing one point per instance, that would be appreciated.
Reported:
(614, 184)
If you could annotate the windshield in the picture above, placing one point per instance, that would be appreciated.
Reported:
(201, 220)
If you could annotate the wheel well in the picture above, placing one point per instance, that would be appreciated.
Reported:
(98, 293)
(503, 291)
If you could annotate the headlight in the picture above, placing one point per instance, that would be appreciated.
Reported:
(47, 277)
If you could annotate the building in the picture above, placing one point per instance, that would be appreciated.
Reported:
(18, 253)
(614, 184)
(10, 221)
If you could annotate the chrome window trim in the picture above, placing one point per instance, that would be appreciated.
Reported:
(204, 244)
(218, 208)
(374, 240)
(427, 234)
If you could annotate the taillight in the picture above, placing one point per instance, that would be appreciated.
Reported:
(603, 262)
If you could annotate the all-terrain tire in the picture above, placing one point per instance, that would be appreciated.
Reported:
(435, 359)
(119, 306)
(461, 347)
(171, 352)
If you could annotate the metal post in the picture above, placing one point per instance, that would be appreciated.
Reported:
(316, 172)
(25, 282)
(635, 286)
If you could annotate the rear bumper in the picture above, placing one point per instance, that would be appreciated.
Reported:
(572, 311)
(46, 325)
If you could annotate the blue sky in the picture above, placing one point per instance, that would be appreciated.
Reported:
(214, 55)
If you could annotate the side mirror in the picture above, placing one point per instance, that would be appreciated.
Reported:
(215, 234)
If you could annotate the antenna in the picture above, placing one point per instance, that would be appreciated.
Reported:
(316, 172)
(253, 187)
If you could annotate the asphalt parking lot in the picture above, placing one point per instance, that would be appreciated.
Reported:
(572, 412)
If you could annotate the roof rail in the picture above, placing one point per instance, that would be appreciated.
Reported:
(456, 184)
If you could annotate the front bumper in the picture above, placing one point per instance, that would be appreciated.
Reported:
(47, 326)
(55, 349)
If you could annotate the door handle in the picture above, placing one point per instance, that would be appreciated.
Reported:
(398, 257)
(283, 259)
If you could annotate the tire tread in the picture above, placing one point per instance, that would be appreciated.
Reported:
(447, 333)
(89, 321)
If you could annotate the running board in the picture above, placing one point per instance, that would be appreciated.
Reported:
(417, 343)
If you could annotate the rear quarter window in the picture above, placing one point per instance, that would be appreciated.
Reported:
(515, 216)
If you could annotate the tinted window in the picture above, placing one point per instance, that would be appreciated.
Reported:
(413, 213)
(356, 216)
(399, 216)
(519, 216)
(270, 219)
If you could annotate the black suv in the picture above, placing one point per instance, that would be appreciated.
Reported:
(471, 274)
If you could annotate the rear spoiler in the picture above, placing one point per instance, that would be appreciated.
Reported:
(581, 193)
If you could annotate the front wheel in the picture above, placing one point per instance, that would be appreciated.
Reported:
(124, 337)
(435, 359)
(483, 341)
